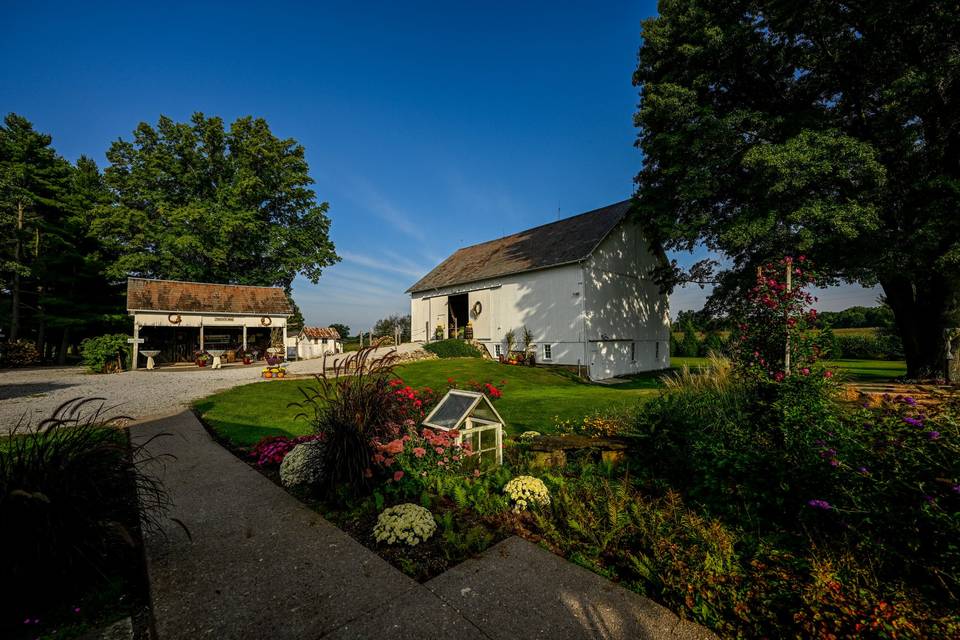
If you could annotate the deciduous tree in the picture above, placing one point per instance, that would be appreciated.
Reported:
(830, 129)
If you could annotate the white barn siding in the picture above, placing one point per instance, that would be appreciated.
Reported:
(627, 319)
(548, 302)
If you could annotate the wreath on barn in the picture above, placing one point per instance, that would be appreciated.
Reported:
(174, 318)
(265, 321)
(477, 308)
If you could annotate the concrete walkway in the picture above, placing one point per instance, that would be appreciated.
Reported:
(260, 564)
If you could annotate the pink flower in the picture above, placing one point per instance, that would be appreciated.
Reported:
(439, 463)
(476, 473)
(397, 475)
(387, 462)
(419, 452)
(828, 374)
(805, 371)
(394, 447)
(439, 451)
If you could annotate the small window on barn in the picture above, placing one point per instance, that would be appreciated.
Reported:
(658, 350)
(633, 351)
(547, 352)
(496, 350)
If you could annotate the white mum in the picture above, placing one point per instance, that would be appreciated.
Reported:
(302, 467)
(529, 435)
(527, 491)
(408, 523)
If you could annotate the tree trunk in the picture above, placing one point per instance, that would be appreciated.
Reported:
(922, 312)
(64, 344)
(15, 292)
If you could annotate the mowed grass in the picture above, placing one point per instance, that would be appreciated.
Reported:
(534, 398)
(852, 370)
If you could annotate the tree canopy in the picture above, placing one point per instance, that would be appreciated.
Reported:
(196, 201)
(829, 129)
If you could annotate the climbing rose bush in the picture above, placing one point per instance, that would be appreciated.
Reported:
(407, 523)
(770, 315)
(526, 492)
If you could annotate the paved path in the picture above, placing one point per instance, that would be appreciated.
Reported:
(35, 393)
(260, 564)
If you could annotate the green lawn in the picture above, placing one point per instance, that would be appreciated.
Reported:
(532, 398)
(855, 370)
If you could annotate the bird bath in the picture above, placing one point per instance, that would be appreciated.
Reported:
(150, 354)
(216, 353)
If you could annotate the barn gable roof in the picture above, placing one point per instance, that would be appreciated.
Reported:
(203, 297)
(550, 245)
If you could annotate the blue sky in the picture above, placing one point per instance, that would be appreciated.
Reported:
(428, 125)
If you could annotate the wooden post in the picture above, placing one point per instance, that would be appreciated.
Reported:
(136, 345)
(284, 340)
(201, 337)
(244, 337)
(786, 355)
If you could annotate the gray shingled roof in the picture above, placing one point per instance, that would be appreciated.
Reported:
(562, 242)
(175, 295)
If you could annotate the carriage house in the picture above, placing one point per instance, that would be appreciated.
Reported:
(178, 319)
(582, 285)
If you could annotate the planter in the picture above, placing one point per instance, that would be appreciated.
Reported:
(267, 374)
(201, 363)
(247, 361)
(468, 333)
(281, 375)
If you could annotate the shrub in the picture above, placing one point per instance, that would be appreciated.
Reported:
(20, 353)
(416, 459)
(271, 450)
(453, 349)
(352, 406)
(406, 523)
(72, 495)
(105, 354)
(527, 492)
(878, 346)
(304, 466)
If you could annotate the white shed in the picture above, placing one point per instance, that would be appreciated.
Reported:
(315, 342)
(582, 285)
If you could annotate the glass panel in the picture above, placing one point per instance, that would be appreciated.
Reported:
(483, 411)
(488, 439)
(451, 410)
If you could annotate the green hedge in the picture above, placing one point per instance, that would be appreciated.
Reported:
(100, 353)
(453, 349)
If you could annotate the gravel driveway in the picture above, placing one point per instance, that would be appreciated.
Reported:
(35, 393)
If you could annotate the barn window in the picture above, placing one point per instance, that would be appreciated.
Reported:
(658, 350)
(496, 349)
(547, 352)
(633, 351)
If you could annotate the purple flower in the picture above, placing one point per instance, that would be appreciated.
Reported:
(834, 462)
(913, 422)
(934, 435)
(910, 401)
(819, 504)
(929, 499)
(863, 470)
(956, 488)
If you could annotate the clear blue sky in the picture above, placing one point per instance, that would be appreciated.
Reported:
(427, 125)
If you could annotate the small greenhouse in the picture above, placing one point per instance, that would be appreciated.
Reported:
(472, 414)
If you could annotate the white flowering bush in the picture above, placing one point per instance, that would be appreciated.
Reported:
(525, 492)
(408, 523)
(303, 466)
(529, 435)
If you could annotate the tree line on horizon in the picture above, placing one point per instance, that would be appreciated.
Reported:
(194, 201)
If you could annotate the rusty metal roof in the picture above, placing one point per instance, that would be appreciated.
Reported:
(550, 245)
(203, 297)
(321, 332)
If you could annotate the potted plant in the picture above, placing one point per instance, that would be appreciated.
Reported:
(438, 332)
(247, 356)
(202, 358)
(510, 340)
(529, 350)
(468, 331)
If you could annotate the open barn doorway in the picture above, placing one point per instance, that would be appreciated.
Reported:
(458, 308)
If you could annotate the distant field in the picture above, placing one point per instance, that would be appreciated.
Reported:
(854, 370)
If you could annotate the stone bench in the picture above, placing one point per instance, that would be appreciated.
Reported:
(551, 451)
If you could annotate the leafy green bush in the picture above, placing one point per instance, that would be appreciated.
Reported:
(106, 353)
(453, 349)
(787, 460)
(879, 346)
(69, 505)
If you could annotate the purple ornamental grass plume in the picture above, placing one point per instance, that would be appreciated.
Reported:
(819, 504)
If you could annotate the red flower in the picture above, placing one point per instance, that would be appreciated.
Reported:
(397, 475)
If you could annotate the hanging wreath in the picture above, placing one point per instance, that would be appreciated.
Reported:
(477, 308)
(174, 318)
(265, 321)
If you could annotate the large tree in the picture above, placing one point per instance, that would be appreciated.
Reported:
(195, 201)
(824, 128)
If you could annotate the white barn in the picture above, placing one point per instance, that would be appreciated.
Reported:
(582, 285)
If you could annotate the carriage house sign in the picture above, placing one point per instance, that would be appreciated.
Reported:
(165, 311)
